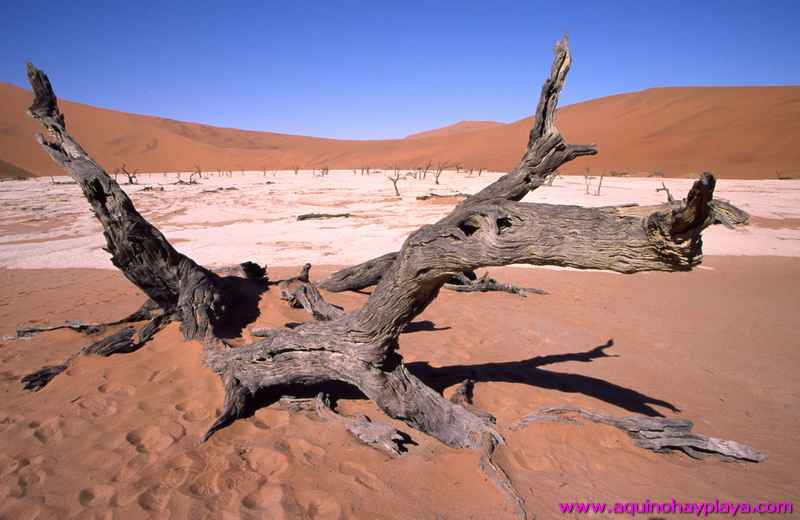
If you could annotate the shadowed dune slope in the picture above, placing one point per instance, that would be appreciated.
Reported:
(737, 132)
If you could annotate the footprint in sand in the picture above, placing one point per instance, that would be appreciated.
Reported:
(193, 412)
(134, 467)
(124, 495)
(362, 475)
(235, 480)
(117, 389)
(261, 425)
(321, 506)
(50, 431)
(155, 498)
(303, 450)
(29, 476)
(267, 462)
(205, 484)
(97, 407)
(155, 438)
(7, 421)
(10, 465)
(177, 471)
(96, 496)
(270, 497)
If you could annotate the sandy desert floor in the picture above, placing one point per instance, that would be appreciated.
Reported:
(119, 437)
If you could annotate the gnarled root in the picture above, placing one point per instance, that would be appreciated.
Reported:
(124, 341)
(490, 467)
(659, 434)
(468, 282)
(145, 312)
(299, 292)
(376, 434)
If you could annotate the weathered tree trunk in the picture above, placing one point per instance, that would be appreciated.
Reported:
(172, 280)
(490, 228)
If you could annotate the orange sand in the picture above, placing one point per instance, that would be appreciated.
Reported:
(118, 437)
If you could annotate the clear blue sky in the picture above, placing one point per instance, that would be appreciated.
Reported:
(375, 69)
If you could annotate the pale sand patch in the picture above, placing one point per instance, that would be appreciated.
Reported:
(247, 223)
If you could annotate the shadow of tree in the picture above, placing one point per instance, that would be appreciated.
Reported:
(422, 325)
(528, 372)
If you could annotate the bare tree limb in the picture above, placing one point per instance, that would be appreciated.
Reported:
(659, 434)
(376, 434)
(137, 248)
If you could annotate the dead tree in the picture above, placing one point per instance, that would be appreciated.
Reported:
(666, 190)
(319, 216)
(295, 169)
(132, 179)
(426, 169)
(196, 174)
(361, 347)
(438, 172)
(394, 177)
(599, 186)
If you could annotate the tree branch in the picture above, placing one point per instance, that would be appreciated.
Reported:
(137, 248)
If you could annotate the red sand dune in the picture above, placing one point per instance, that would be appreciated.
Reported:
(462, 127)
(737, 132)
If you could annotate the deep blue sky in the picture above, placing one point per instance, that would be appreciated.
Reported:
(375, 69)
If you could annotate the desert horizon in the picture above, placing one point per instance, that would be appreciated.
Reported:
(642, 138)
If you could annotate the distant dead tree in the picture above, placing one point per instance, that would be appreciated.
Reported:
(132, 178)
(599, 185)
(295, 169)
(666, 190)
(458, 168)
(426, 169)
(394, 177)
(324, 171)
(438, 171)
(480, 171)
(362, 347)
(196, 174)
(586, 180)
